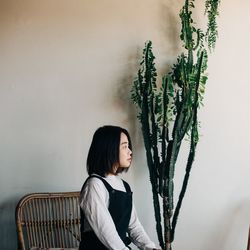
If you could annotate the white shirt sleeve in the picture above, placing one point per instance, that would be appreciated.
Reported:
(137, 233)
(94, 203)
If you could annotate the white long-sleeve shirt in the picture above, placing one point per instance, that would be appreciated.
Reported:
(94, 201)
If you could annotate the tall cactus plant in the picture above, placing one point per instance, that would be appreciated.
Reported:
(168, 113)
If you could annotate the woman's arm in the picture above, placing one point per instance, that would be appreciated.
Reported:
(137, 233)
(94, 203)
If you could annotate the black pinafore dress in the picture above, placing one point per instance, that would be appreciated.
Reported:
(120, 207)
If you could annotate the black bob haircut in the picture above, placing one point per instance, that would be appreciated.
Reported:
(104, 150)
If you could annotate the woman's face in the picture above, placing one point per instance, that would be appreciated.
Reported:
(125, 154)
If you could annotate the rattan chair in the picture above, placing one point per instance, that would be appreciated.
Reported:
(48, 220)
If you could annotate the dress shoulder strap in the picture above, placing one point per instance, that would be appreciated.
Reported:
(127, 187)
(106, 184)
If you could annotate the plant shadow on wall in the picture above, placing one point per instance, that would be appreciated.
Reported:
(121, 96)
(170, 31)
(168, 113)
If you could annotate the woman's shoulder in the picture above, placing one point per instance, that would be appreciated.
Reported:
(93, 191)
(94, 181)
(93, 185)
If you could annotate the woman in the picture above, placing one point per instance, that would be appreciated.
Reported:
(108, 216)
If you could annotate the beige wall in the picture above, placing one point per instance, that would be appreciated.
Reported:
(66, 67)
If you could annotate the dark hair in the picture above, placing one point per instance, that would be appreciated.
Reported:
(104, 150)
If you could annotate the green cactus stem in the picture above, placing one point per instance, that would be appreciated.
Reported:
(169, 113)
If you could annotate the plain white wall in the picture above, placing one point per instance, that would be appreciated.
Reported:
(66, 67)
